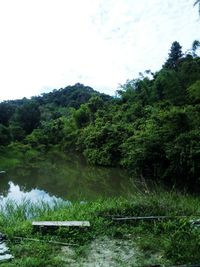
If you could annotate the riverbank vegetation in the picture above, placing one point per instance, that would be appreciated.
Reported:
(151, 126)
(170, 241)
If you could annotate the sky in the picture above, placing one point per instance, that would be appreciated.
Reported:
(50, 44)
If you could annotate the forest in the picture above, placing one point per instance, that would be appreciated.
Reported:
(151, 127)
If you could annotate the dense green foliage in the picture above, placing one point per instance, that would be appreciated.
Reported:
(19, 118)
(152, 126)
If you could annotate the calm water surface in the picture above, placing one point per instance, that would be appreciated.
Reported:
(65, 178)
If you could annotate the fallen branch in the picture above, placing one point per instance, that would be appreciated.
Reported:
(44, 241)
(146, 218)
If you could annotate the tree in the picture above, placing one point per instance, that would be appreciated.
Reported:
(27, 116)
(194, 92)
(167, 87)
(6, 112)
(189, 71)
(4, 135)
(81, 116)
(175, 55)
(195, 46)
(95, 103)
(16, 131)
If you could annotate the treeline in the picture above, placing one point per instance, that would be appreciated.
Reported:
(19, 118)
(151, 127)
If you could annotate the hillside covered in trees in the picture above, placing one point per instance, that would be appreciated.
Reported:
(151, 127)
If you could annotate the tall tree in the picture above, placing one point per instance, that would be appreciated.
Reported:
(175, 55)
(195, 46)
(27, 116)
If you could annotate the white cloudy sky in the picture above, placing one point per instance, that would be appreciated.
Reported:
(46, 44)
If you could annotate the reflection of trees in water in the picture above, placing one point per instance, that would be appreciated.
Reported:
(69, 177)
(4, 186)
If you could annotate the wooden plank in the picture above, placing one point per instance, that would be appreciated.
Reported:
(62, 223)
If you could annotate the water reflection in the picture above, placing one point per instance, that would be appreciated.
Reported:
(65, 177)
(35, 195)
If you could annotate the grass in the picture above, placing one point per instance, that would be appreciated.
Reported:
(165, 242)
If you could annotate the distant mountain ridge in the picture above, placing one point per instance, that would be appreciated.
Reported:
(71, 96)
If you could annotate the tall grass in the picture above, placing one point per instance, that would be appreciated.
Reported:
(171, 241)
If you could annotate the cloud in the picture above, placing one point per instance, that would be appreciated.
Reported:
(101, 43)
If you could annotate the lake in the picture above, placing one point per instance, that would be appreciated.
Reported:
(64, 177)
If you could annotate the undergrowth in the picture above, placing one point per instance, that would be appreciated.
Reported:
(173, 240)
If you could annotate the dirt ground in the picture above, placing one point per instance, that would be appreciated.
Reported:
(103, 252)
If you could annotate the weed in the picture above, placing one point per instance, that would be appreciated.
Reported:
(168, 241)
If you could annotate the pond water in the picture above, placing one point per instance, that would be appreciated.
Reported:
(64, 177)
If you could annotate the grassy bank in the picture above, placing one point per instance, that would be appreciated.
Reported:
(166, 242)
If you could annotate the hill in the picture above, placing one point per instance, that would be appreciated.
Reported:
(152, 128)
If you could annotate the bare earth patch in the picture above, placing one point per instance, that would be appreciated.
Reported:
(103, 252)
